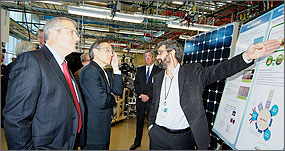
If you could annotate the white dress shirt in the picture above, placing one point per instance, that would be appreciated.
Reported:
(59, 61)
(150, 69)
(174, 118)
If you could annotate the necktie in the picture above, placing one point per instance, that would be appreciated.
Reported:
(147, 75)
(70, 84)
(106, 76)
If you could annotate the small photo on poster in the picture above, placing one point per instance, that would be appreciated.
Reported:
(247, 75)
(243, 92)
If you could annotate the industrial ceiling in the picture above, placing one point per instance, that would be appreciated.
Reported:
(155, 26)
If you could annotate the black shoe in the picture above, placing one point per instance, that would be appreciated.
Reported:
(134, 146)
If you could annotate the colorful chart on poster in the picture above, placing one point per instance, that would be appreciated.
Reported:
(251, 111)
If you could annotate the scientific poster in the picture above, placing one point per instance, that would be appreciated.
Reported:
(251, 112)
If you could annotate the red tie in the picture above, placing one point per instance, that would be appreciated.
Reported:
(70, 84)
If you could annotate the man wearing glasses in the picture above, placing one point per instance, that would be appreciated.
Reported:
(98, 88)
(44, 109)
(177, 120)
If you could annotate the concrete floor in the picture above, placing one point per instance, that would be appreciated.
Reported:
(122, 136)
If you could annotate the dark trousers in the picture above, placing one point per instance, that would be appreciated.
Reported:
(96, 147)
(141, 108)
(161, 139)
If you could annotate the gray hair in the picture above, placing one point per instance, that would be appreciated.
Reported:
(24, 46)
(54, 24)
(83, 57)
(95, 45)
(173, 45)
(39, 31)
(148, 51)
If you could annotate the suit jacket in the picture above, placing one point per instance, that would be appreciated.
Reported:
(40, 112)
(95, 89)
(192, 78)
(77, 75)
(140, 81)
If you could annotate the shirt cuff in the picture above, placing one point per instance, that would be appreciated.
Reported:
(118, 72)
(245, 60)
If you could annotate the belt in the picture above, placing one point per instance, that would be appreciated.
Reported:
(174, 131)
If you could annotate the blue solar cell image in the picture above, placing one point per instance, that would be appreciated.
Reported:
(229, 30)
(228, 41)
(207, 36)
(221, 32)
(214, 35)
(220, 43)
(211, 48)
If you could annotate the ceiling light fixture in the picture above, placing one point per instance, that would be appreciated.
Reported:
(128, 18)
(118, 44)
(96, 28)
(104, 14)
(50, 2)
(198, 27)
(89, 11)
(178, 2)
(131, 32)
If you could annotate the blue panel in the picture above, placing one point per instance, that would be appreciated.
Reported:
(208, 36)
(210, 49)
(220, 43)
(213, 44)
(279, 11)
(203, 63)
(194, 57)
(229, 30)
(258, 40)
(196, 40)
(219, 96)
(210, 106)
(211, 55)
(214, 35)
(204, 56)
(199, 56)
(201, 47)
(221, 86)
(227, 41)
(218, 54)
(226, 53)
(221, 32)
(202, 38)
(206, 45)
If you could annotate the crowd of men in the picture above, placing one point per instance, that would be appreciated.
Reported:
(46, 108)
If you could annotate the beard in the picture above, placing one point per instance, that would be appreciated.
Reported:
(163, 63)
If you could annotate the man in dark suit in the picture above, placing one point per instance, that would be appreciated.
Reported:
(177, 118)
(21, 47)
(143, 89)
(40, 38)
(98, 87)
(85, 60)
(43, 108)
(3, 86)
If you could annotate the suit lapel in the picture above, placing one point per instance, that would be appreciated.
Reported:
(100, 70)
(159, 78)
(56, 69)
(181, 79)
(152, 71)
(144, 75)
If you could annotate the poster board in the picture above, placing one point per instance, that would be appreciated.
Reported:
(251, 111)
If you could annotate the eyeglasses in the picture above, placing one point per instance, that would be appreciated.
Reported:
(73, 32)
(110, 50)
(160, 51)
